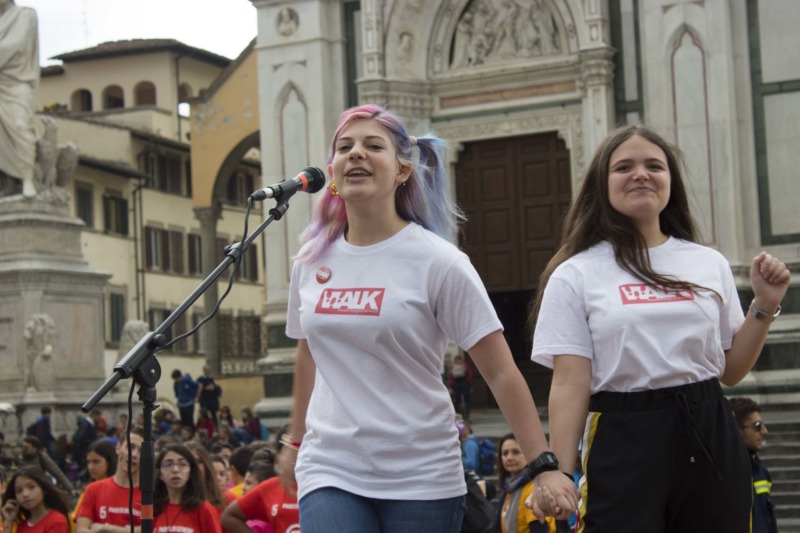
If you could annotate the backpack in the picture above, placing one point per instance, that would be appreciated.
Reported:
(31, 430)
(488, 456)
(458, 370)
(480, 513)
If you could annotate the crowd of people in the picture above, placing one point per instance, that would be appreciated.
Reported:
(198, 476)
(639, 321)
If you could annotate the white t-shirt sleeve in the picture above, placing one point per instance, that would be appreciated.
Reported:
(462, 307)
(562, 327)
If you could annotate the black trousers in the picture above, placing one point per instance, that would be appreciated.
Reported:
(665, 461)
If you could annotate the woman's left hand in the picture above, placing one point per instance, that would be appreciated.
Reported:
(555, 495)
(770, 280)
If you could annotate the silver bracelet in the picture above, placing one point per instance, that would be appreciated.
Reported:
(763, 316)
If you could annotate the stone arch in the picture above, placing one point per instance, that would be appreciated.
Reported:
(81, 101)
(292, 110)
(231, 161)
(144, 93)
(688, 76)
(113, 97)
(184, 92)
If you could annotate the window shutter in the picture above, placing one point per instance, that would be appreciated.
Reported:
(166, 262)
(106, 213)
(176, 249)
(123, 216)
(148, 248)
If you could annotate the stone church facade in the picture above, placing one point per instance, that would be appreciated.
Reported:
(523, 91)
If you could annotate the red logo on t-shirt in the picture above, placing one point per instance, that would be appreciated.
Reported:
(641, 293)
(350, 302)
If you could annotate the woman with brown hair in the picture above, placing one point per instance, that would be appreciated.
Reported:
(640, 324)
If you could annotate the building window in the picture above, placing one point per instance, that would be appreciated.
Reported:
(113, 97)
(249, 335)
(228, 345)
(166, 171)
(81, 101)
(196, 340)
(84, 203)
(240, 186)
(187, 171)
(144, 93)
(195, 255)
(163, 250)
(116, 315)
(248, 269)
(115, 213)
(156, 317)
(168, 174)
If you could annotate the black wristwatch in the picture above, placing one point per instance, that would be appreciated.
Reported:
(545, 462)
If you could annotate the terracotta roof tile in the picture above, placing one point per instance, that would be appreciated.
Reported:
(142, 46)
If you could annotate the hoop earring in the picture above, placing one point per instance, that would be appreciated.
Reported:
(333, 189)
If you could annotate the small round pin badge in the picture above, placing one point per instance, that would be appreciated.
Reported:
(323, 274)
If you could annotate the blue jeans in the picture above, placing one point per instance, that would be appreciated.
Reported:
(332, 510)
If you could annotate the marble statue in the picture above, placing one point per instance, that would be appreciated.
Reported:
(19, 79)
(132, 332)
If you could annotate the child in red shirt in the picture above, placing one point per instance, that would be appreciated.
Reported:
(33, 504)
(179, 497)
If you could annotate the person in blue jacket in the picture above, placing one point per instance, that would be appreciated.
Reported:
(186, 393)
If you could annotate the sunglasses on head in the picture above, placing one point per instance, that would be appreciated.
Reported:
(755, 425)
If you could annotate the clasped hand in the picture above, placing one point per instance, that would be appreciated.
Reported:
(554, 495)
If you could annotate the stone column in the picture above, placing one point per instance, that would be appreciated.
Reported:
(301, 91)
(597, 75)
(208, 217)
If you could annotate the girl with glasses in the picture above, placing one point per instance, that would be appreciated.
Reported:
(180, 495)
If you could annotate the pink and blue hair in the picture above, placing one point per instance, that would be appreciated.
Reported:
(425, 199)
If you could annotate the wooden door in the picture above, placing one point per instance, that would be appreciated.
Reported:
(514, 192)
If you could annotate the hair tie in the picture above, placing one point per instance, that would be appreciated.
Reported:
(413, 140)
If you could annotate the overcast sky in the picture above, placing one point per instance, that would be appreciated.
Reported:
(224, 27)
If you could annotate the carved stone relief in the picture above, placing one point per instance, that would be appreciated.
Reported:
(493, 31)
(288, 21)
(39, 335)
(469, 33)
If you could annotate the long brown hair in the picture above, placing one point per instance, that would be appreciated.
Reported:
(591, 218)
(53, 497)
(194, 493)
(213, 494)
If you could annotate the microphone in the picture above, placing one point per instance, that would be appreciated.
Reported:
(310, 180)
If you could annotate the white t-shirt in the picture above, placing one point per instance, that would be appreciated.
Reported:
(637, 337)
(377, 320)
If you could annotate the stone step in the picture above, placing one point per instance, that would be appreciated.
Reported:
(773, 449)
(782, 436)
(784, 498)
(789, 473)
(787, 511)
(780, 461)
(789, 525)
(785, 485)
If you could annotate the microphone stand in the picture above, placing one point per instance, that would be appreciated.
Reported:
(141, 364)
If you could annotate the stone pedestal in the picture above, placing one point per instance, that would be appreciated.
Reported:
(51, 313)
